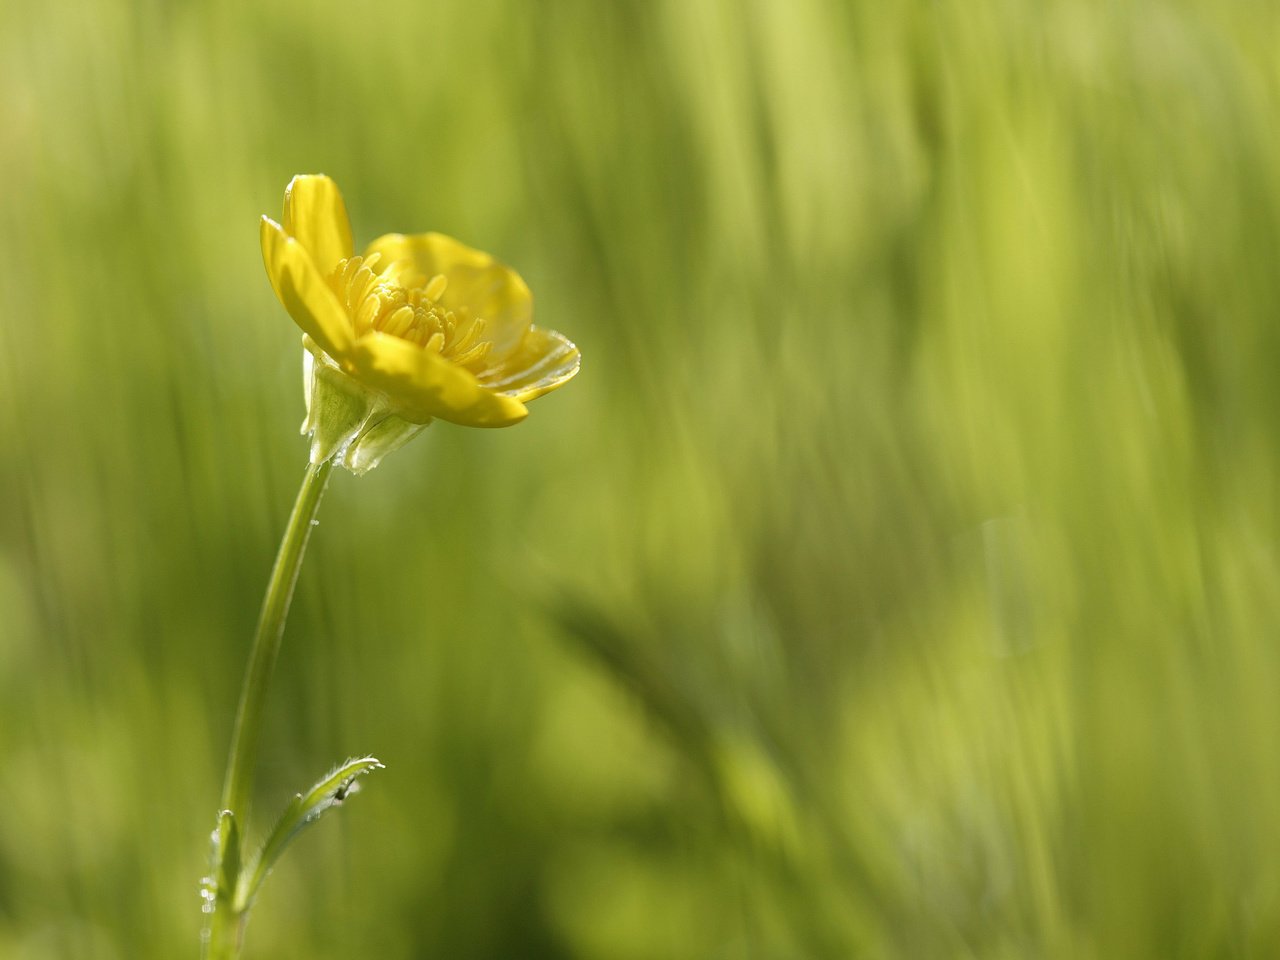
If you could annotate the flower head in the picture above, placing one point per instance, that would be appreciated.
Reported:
(415, 328)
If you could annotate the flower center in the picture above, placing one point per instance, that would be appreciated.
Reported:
(398, 301)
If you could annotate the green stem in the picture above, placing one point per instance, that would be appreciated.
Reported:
(227, 922)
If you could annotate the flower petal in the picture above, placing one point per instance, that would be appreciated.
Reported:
(316, 217)
(488, 288)
(543, 361)
(303, 291)
(422, 384)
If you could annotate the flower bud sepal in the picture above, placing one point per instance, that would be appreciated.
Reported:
(347, 421)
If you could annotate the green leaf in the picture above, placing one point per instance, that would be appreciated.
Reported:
(305, 809)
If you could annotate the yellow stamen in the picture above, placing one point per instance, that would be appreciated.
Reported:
(435, 289)
(468, 339)
(398, 323)
(474, 355)
(399, 303)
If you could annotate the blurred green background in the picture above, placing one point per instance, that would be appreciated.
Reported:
(899, 578)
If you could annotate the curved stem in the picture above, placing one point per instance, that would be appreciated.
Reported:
(226, 927)
(266, 641)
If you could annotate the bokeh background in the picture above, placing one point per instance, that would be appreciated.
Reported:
(899, 579)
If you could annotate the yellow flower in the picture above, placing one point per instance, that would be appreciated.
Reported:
(415, 328)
